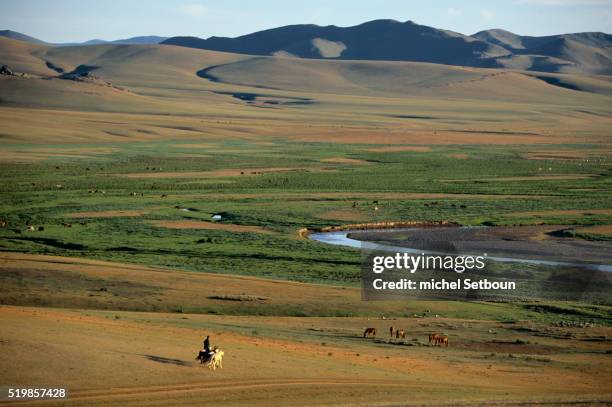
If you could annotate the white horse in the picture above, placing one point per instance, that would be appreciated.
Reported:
(216, 360)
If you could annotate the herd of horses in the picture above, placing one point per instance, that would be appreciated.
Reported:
(214, 359)
(434, 338)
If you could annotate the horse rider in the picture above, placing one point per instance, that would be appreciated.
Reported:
(207, 344)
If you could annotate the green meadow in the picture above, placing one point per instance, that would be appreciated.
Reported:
(312, 189)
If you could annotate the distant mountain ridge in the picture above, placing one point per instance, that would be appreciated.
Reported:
(590, 52)
(390, 40)
(14, 35)
(396, 41)
(147, 39)
(374, 40)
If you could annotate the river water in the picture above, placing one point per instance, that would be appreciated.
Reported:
(340, 238)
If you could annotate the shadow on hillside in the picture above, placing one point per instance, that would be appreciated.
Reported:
(168, 361)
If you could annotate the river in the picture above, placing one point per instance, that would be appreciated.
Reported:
(340, 238)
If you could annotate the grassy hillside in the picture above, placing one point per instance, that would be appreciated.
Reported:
(214, 93)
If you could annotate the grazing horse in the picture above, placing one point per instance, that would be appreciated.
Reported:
(400, 333)
(369, 331)
(433, 338)
(442, 340)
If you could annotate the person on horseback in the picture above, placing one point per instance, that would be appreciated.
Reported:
(206, 354)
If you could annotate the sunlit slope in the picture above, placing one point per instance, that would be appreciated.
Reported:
(400, 78)
(138, 79)
(169, 68)
(341, 77)
(23, 56)
(142, 65)
(198, 92)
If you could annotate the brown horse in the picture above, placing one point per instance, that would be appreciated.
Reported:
(369, 331)
(400, 333)
(442, 340)
(391, 332)
(433, 338)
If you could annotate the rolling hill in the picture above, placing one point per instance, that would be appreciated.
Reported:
(228, 93)
(14, 35)
(145, 39)
(375, 40)
(391, 40)
(163, 67)
(589, 52)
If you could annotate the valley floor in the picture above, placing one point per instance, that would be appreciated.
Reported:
(148, 359)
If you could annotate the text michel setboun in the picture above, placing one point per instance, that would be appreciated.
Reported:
(413, 264)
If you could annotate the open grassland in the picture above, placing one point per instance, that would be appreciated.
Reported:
(147, 203)
(146, 359)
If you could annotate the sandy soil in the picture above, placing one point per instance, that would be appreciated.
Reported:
(75, 150)
(581, 154)
(190, 224)
(43, 125)
(37, 154)
(460, 156)
(417, 137)
(21, 156)
(344, 214)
